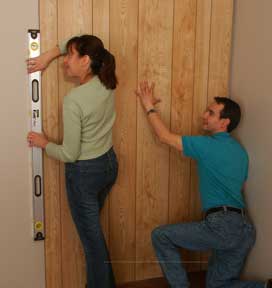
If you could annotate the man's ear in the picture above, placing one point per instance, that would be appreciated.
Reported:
(225, 123)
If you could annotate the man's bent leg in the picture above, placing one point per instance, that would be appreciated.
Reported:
(225, 265)
(169, 238)
(169, 258)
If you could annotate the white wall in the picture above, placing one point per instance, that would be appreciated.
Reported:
(251, 82)
(21, 259)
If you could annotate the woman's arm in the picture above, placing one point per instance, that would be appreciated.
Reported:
(41, 62)
(70, 148)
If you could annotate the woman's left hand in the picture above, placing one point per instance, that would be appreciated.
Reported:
(37, 140)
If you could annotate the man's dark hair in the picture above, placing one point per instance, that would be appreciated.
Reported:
(230, 111)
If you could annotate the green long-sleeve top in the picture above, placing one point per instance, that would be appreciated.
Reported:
(88, 118)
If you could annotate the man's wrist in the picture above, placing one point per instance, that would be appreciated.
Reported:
(147, 108)
(151, 110)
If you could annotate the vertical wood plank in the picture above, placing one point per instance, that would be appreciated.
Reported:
(123, 44)
(203, 24)
(219, 64)
(53, 265)
(154, 63)
(74, 17)
(101, 18)
(220, 48)
(181, 111)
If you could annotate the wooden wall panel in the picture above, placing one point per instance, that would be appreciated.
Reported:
(101, 18)
(181, 111)
(123, 44)
(74, 17)
(203, 30)
(154, 63)
(220, 48)
(184, 47)
(53, 260)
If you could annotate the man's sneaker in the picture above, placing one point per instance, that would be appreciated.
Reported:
(269, 283)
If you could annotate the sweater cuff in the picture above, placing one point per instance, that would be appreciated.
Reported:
(62, 46)
(50, 149)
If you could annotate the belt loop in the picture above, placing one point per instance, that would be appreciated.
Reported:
(225, 208)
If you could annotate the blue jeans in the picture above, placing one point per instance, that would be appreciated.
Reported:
(228, 234)
(88, 183)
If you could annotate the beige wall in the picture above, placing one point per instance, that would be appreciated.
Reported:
(251, 85)
(21, 260)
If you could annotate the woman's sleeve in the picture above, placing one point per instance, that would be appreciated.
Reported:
(70, 149)
(62, 45)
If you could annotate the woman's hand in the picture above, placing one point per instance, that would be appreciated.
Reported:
(145, 93)
(41, 62)
(37, 140)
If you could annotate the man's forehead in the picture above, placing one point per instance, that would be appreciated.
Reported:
(216, 107)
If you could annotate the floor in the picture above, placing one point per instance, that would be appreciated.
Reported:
(197, 280)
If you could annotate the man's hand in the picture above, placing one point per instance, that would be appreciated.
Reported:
(37, 140)
(145, 92)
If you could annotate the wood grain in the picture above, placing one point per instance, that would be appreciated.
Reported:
(123, 44)
(154, 64)
(53, 260)
(220, 48)
(181, 111)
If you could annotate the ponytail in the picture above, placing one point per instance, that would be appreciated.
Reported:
(106, 72)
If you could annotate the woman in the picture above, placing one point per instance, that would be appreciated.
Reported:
(90, 162)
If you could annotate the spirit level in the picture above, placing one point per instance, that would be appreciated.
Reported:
(36, 126)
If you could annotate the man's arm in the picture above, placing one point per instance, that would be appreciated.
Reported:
(145, 94)
(164, 134)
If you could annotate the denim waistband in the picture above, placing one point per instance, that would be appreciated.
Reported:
(109, 155)
(225, 209)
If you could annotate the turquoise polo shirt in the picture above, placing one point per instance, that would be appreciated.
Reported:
(222, 168)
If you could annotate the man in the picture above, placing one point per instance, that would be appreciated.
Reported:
(222, 167)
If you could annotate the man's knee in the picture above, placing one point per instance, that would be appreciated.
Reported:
(159, 235)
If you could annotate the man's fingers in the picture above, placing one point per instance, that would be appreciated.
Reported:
(157, 100)
(142, 87)
(151, 87)
(137, 93)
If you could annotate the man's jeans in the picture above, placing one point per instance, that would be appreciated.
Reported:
(88, 182)
(228, 234)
